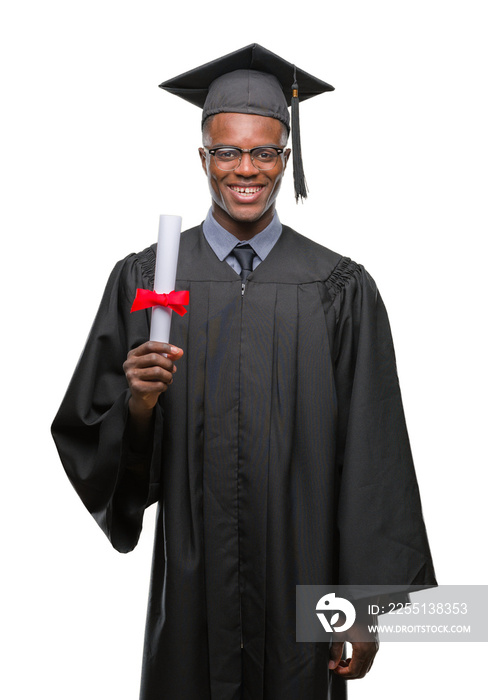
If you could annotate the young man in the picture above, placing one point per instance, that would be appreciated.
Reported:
(270, 430)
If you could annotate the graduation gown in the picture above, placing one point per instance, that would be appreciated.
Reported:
(280, 457)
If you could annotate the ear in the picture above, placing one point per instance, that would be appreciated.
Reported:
(286, 155)
(203, 158)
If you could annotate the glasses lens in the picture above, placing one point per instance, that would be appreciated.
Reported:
(227, 158)
(264, 158)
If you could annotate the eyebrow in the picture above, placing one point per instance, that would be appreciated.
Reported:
(228, 145)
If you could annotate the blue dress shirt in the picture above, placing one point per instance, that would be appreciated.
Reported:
(223, 243)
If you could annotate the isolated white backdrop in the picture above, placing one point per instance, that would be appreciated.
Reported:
(92, 152)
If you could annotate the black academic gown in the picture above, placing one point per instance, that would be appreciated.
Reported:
(280, 457)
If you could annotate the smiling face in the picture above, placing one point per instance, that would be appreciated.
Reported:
(243, 200)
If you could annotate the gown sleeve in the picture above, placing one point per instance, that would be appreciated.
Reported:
(115, 483)
(382, 536)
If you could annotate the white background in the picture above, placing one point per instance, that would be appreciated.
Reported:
(92, 152)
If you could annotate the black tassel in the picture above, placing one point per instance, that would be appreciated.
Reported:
(298, 174)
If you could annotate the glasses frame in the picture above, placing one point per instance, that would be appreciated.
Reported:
(212, 152)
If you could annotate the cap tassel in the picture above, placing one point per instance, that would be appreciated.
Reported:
(301, 188)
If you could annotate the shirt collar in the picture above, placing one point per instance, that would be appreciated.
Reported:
(222, 242)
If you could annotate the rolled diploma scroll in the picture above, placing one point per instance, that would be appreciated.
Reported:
(165, 274)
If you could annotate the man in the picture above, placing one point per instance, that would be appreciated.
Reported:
(270, 430)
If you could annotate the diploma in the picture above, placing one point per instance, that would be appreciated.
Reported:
(164, 299)
(165, 274)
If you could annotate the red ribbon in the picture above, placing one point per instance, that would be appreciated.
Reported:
(145, 298)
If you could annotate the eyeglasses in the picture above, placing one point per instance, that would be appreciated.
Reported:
(229, 158)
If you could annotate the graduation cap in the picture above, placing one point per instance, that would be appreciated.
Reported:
(252, 80)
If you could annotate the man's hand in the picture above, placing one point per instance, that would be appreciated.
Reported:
(149, 370)
(363, 653)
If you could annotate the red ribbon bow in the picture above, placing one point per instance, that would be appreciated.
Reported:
(145, 298)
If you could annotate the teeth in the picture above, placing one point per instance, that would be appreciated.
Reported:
(246, 190)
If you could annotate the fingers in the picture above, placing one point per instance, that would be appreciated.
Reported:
(335, 654)
(150, 374)
(359, 664)
(155, 347)
(151, 360)
(149, 370)
(152, 356)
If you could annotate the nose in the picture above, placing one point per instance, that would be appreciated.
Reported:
(246, 167)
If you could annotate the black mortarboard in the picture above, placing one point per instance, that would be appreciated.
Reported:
(252, 80)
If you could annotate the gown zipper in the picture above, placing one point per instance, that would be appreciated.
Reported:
(243, 289)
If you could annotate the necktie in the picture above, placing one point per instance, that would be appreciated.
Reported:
(244, 255)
